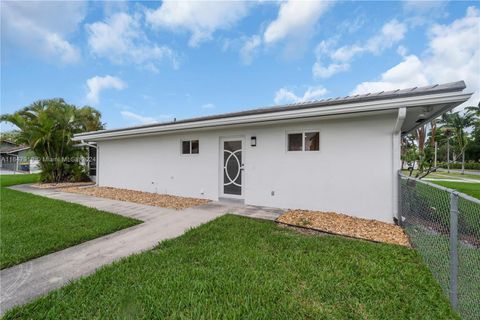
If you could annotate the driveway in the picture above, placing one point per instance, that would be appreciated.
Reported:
(28, 280)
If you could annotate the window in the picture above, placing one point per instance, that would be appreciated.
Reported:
(312, 140)
(190, 147)
(295, 142)
(303, 141)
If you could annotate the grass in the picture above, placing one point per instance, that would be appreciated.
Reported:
(472, 189)
(13, 179)
(33, 226)
(435, 250)
(239, 268)
(455, 175)
(445, 175)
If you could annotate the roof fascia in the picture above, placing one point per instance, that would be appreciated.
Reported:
(415, 101)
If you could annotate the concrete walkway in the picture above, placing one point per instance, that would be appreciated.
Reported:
(23, 282)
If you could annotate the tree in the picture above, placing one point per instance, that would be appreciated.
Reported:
(472, 151)
(409, 152)
(458, 125)
(11, 136)
(47, 126)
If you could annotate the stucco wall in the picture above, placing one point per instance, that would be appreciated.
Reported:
(352, 173)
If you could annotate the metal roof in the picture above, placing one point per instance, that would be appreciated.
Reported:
(13, 149)
(383, 95)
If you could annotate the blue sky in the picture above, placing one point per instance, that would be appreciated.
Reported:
(142, 62)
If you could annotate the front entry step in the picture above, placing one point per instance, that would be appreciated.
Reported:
(231, 200)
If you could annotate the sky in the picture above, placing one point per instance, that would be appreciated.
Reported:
(150, 61)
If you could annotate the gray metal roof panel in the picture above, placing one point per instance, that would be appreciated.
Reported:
(383, 95)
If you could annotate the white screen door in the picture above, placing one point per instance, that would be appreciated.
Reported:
(232, 167)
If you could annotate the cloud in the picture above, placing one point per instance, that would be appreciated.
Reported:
(121, 40)
(453, 54)
(199, 18)
(295, 22)
(422, 12)
(408, 73)
(285, 96)
(97, 84)
(295, 19)
(391, 33)
(250, 48)
(137, 118)
(321, 71)
(430, 7)
(423, 6)
(208, 106)
(43, 27)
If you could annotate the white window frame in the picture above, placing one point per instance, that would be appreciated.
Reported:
(190, 152)
(302, 132)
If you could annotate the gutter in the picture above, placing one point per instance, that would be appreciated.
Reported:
(286, 114)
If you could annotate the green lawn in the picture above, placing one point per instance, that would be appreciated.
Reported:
(13, 179)
(453, 175)
(241, 268)
(472, 189)
(435, 249)
(32, 226)
(446, 175)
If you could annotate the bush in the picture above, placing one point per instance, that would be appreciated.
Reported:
(457, 165)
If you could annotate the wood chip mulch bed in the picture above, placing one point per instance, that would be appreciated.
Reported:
(147, 198)
(344, 225)
(60, 185)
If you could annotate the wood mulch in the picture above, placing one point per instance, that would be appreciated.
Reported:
(58, 185)
(345, 225)
(147, 198)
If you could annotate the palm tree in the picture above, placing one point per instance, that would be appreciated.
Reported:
(47, 126)
(474, 110)
(457, 124)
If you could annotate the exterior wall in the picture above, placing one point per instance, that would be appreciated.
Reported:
(352, 173)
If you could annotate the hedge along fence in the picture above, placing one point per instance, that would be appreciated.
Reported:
(457, 165)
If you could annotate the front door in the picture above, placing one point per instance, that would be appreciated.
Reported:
(232, 167)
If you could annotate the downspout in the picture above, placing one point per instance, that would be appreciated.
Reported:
(396, 162)
(97, 170)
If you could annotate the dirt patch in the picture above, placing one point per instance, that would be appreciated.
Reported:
(346, 225)
(147, 198)
(60, 185)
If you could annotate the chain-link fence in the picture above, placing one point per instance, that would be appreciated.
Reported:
(444, 226)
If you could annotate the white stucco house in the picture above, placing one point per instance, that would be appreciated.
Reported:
(338, 155)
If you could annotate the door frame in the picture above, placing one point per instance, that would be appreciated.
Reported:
(221, 167)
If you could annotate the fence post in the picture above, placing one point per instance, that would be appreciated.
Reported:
(454, 249)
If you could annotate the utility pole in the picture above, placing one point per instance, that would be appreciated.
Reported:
(435, 161)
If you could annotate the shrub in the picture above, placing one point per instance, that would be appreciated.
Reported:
(456, 165)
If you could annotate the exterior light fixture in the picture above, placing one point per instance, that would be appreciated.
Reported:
(253, 141)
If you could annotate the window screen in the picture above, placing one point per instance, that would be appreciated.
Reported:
(295, 142)
(312, 141)
(185, 147)
(304, 141)
(195, 146)
(190, 147)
